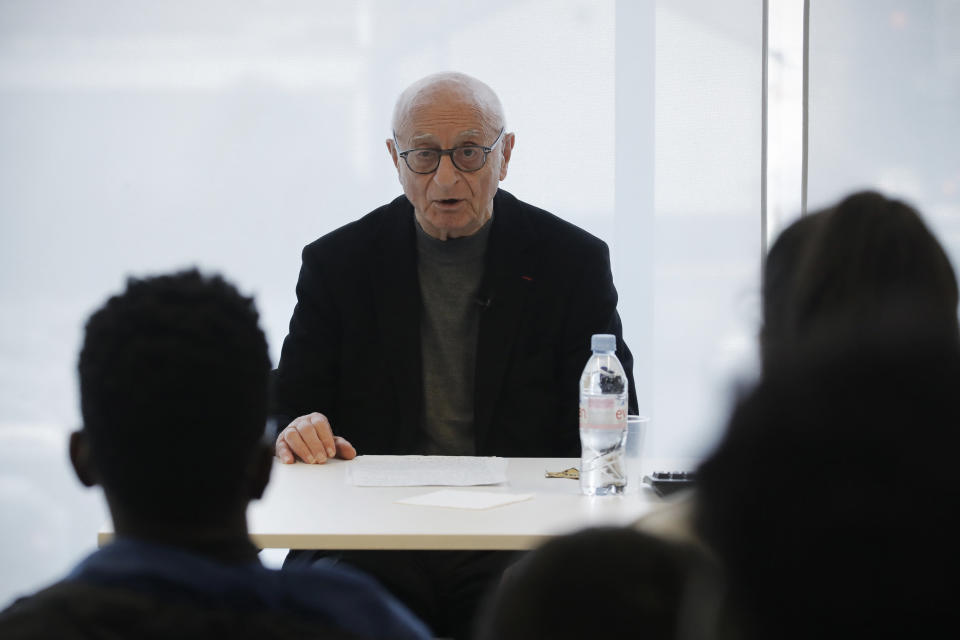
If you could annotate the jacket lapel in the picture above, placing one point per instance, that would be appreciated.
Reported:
(398, 318)
(506, 286)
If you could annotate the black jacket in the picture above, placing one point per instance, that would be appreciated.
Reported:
(353, 351)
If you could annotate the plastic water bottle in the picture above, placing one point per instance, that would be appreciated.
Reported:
(603, 420)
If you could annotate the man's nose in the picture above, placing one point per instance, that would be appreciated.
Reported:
(446, 173)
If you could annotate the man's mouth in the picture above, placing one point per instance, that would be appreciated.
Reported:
(448, 202)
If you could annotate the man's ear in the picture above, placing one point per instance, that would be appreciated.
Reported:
(260, 469)
(81, 459)
(509, 139)
(392, 148)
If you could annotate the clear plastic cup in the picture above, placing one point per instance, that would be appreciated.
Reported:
(633, 451)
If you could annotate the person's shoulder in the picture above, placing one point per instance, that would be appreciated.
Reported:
(48, 598)
(360, 234)
(78, 609)
(62, 610)
(550, 230)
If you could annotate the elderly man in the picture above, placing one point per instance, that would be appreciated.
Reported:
(455, 320)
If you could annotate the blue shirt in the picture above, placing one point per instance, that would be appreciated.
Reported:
(338, 596)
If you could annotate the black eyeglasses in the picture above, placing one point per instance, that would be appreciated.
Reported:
(468, 158)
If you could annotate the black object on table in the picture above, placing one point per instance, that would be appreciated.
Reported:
(668, 482)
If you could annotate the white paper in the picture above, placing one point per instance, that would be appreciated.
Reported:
(422, 471)
(455, 499)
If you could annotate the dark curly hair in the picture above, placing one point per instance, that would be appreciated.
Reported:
(173, 391)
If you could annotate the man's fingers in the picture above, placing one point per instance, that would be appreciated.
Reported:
(324, 432)
(310, 438)
(345, 450)
(291, 435)
(309, 434)
(284, 453)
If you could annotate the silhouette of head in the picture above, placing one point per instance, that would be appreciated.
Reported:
(173, 391)
(854, 263)
(618, 581)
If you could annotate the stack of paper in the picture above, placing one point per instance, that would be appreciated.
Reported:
(422, 471)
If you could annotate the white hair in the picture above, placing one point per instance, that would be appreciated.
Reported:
(447, 84)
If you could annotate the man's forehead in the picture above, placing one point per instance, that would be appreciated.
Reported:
(431, 114)
(447, 108)
(425, 135)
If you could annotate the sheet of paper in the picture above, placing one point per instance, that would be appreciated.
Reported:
(422, 471)
(455, 499)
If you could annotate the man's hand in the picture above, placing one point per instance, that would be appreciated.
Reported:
(310, 438)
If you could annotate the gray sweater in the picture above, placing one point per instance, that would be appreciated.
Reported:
(450, 273)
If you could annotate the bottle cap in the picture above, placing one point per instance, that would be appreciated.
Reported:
(603, 342)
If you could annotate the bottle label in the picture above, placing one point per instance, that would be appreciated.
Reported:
(602, 413)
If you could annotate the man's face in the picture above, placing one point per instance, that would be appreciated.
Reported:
(449, 202)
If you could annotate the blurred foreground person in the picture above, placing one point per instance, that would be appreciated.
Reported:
(605, 582)
(854, 264)
(833, 502)
(173, 390)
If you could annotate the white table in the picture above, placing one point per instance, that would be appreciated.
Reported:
(312, 507)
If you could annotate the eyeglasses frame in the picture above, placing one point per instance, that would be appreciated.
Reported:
(449, 152)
